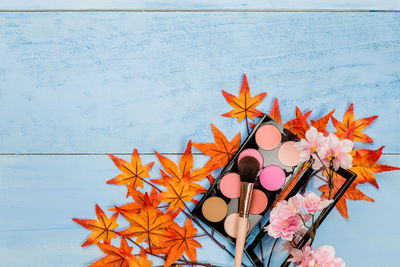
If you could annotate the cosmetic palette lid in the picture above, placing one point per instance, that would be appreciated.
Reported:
(262, 236)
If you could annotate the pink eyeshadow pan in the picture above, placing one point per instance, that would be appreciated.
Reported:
(268, 137)
(288, 154)
(230, 185)
(272, 177)
(252, 153)
(259, 202)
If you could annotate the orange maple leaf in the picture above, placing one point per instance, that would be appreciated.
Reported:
(352, 193)
(221, 151)
(184, 170)
(133, 172)
(321, 124)
(102, 227)
(299, 125)
(142, 260)
(275, 112)
(364, 165)
(180, 240)
(121, 257)
(244, 105)
(349, 133)
(179, 192)
(359, 126)
(148, 225)
(138, 197)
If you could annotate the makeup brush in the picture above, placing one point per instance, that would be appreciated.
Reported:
(248, 169)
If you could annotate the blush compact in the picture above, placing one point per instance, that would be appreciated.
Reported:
(272, 146)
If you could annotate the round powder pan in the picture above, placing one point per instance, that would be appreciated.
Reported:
(230, 185)
(288, 154)
(272, 177)
(268, 137)
(252, 153)
(214, 209)
(259, 202)
(230, 224)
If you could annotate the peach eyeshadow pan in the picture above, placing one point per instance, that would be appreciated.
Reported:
(288, 154)
(230, 224)
(268, 137)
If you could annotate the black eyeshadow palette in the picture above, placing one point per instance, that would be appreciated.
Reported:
(273, 146)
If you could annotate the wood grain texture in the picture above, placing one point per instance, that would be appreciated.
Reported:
(109, 82)
(39, 195)
(202, 4)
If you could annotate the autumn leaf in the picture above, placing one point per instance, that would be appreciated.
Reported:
(210, 179)
(179, 192)
(352, 193)
(349, 133)
(142, 260)
(185, 168)
(147, 225)
(321, 124)
(138, 197)
(359, 126)
(221, 151)
(244, 105)
(133, 172)
(180, 240)
(275, 113)
(102, 227)
(299, 125)
(121, 256)
(364, 165)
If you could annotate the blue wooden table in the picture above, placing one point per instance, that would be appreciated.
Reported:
(80, 78)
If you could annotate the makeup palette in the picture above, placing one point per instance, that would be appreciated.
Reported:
(272, 146)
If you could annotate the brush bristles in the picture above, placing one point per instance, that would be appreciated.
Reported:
(248, 169)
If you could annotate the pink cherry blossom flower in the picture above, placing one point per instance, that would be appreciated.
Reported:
(313, 144)
(284, 227)
(314, 203)
(287, 245)
(300, 255)
(281, 210)
(323, 257)
(295, 203)
(336, 151)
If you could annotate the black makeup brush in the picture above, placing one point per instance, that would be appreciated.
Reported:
(248, 170)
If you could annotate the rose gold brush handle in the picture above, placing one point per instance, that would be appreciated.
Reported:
(240, 240)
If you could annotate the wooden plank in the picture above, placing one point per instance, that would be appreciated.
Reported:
(39, 195)
(108, 82)
(202, 5)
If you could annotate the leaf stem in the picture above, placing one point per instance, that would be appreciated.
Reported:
(247, 125)
(155, 187)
